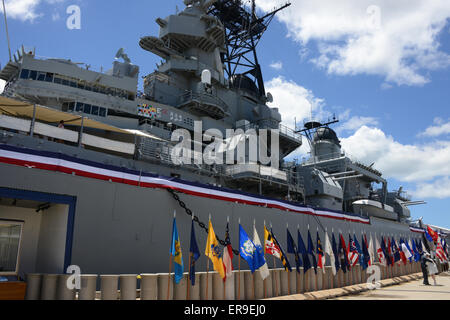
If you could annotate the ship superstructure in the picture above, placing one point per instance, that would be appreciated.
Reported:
(99, 180)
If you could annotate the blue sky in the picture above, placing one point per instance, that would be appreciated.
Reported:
(381, 67)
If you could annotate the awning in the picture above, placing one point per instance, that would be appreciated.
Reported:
(20, 109)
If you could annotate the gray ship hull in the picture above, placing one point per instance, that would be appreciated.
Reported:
(119, 228)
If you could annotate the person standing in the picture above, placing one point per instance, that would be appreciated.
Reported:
(423, 264)
(431, 267)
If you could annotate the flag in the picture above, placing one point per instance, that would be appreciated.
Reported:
(352, 252)
(330, 253)
(270, 246)
(407, 254)
(415, 250)
(359, 250)
(395, 251)
(440, 252)
(264, 269)
(432, 234)
(401, 252)
(343, 254)
(175, 251)
(380, 251)
(283, 258)
(411, 253)
(292, 249)
(365, 253)
(212, 251)
(227, 255)
(386, 251)
(390, 253)
(304, 252)
(335, 253)
(195, 254)
(320, 254)
(249, 252)
(371, 251)
(311, 251)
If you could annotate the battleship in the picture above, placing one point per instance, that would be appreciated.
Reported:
(86, 159)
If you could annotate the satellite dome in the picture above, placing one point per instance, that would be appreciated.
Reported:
(326, 133)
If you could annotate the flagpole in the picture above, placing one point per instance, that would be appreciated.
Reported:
(288, 275)
(264, 253)
(274, 267)
(170, 263)
(6, 29)
(189, 275)
(207, 266)
(239, 265)
(253, 274)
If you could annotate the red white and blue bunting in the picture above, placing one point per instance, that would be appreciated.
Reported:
(59, 162)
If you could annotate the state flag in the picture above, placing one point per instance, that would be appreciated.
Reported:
(175, 251)
(212, 251)
(195, 254)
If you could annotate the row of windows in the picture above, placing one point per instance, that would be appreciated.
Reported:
(67, 81)
(85, 108)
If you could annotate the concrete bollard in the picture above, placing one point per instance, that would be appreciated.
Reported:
(88, 287)
(284, 275)
(260, 293)
(249, 285)
(203, 294)
(194, 290)
(217, 287)
(293, 281)
(327, 278)
(63, 292)
(229, 288)
(180, 289)
(276, 282)
(49, 286)
(239, 285)
(149, 286)
(34, 282)
(312, 280)
(268, 285)
(164, 284)
(128, 286)
(108, 287)
(319, 278)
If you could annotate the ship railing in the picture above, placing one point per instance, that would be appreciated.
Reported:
(268, 124)
(203, 98)
(62, 135)
(254, 168)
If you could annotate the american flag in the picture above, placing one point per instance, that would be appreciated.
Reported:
(352, 252)
(440, 253)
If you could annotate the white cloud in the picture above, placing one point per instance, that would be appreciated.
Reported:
(26, 9)
(2, 86)
(277, 65)
(439, 129)
(410, 163)
(294, 101)
(22, 9)
(355, 123)
(397, 40)
(437, 189)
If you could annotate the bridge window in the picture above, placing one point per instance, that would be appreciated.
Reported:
(24, 74)
(10, 236)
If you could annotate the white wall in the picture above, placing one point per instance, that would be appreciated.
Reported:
(43, 243)
(2, 86)
(52, 240)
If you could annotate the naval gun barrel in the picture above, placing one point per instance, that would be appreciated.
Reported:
(413, 203)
